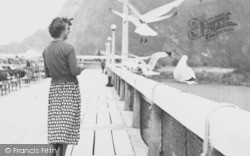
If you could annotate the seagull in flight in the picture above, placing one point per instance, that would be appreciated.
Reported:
(206, 54)
(183, 73)
(155, 15)
(138, 64)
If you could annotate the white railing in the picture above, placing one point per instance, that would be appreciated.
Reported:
(229, 127)
(92, 57)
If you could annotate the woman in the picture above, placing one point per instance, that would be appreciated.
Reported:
(64, 95)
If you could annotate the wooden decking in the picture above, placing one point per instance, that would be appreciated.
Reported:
(23, 118)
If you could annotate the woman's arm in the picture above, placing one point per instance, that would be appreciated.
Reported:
(46, 69)
(74, 69)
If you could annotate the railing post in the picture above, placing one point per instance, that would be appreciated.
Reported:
(122, 90)
(136, 108)
(112, 79)
(127, 97)
(155, 137)
(115, 81)
(118, 85)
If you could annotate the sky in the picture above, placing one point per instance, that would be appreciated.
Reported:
(22, 18)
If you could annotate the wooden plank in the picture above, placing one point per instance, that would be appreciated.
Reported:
(4, 132)
(103, 118)
(103, 143)
(69, 150)
(14, 135)
(112, 105)
(102, 105)
(102, 95)
(106, 127)
(109, 94)
(92, 105)
(122, 143)
(102, 99)
(89, 118)
(85, 144)
(43, 139)
(84, 106)
(116, 118)
(31, 136)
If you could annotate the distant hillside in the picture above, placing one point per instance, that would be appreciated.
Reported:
(37, 42)
(219, 28)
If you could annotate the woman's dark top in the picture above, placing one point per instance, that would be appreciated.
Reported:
(60, 62)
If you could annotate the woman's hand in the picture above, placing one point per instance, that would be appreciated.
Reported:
(82, 66)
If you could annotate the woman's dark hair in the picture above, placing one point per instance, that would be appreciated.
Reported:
(58, 25)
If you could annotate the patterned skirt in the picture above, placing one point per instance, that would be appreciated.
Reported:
(64, 110)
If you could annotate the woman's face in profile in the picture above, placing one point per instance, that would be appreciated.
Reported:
(66, 31)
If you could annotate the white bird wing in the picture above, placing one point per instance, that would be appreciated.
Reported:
(189, 73)
(145, 30)
(160, 18)
(134, 11)
(161, 10)
(145, 70)
(183, 73)
(127, 17)
(154, 58)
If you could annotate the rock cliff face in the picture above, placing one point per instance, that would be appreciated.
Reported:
(219, 28)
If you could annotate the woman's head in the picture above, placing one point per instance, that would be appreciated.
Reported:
(60, 27)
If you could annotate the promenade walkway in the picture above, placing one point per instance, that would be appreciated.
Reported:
(23, 118)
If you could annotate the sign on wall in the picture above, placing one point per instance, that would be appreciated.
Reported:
(211, 27)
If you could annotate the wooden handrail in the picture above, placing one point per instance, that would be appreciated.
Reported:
(230, 127)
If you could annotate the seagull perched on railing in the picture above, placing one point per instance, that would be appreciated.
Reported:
(141, 21)
(138, 64)
(183, 73)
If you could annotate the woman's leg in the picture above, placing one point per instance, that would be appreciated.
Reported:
(62, 149)
(55, 146)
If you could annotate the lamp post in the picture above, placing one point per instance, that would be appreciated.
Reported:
(125, 30)
(107, 52)
(113, 28)
(109, 49)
